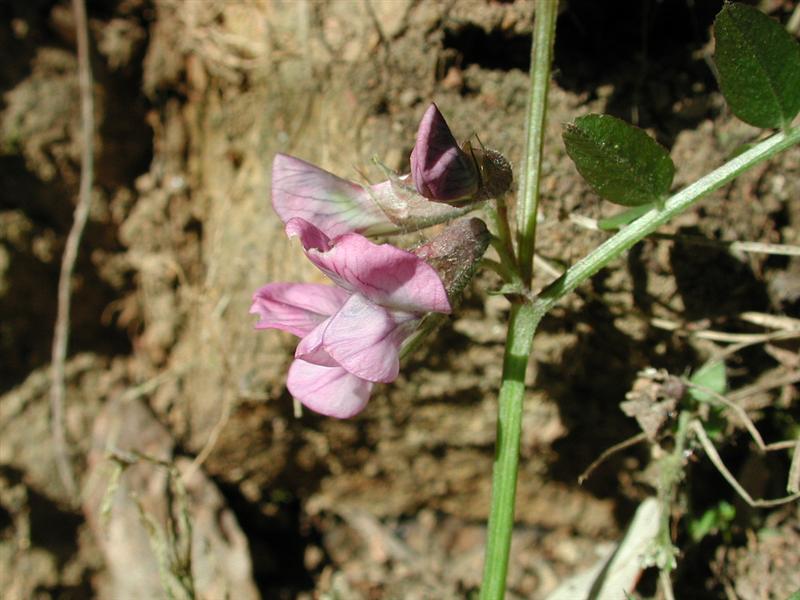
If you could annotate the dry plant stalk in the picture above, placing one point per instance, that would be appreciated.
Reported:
(61, 333)
(716, 460)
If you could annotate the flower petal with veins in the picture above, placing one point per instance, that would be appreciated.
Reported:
(364, 339)
(330, 391)
(388, 276)
(296, 307)
(311, 348)
(334, 205)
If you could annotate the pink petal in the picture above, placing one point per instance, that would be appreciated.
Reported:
(311, 348)
(329, 391)
(333, 204)
(310, 235)
(386, 275)
(296, 307)
(364, 339)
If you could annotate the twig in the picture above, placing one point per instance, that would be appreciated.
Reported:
(738, 341)
(540, 263)
(769, 321)
(666, 585)
(793, 26)
(793, 480)
(148, 387)
(767, 383)
(722, 336)
(740, 412)
(753, 247)
(213, 437)
(744, 418)
(773, 336)
(716, 460)
(631, 441)
(61, 333)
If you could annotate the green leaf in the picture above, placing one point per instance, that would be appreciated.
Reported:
(795, 596)
(717, 518)
(619, 161)
(710, 376)
(758, 63)
(626, 217)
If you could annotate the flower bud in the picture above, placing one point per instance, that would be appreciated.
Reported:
(440, 169)
(455, 254)
(444, 172)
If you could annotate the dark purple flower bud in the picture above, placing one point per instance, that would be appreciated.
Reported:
(440, 169)
(455, 254)
(444, 172)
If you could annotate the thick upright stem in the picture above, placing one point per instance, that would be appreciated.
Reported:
(521, 327)
(544, 35)
(523, 319)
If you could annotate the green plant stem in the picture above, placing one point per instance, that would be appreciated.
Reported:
(522, 324)
(544, 36)
(503, 228)
(502, 241)
(652, 220)
(522, 320)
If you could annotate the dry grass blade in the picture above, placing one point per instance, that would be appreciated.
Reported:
(775, 379)
(746, 421)
(793, 481)
(631, 441)
(771, 321)
(793, 26)
(61, 333)
(787, 328)
(745, 339)
(716, 460)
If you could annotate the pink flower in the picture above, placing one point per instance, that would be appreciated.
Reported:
(337, 206)
(332, 204)
(350, 333)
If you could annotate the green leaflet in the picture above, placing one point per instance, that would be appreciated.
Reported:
(710, 376)
(758, 64)
(619, 161)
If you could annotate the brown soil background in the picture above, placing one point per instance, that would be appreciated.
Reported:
(194, 98)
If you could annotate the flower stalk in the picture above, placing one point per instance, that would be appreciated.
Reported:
(544, 36)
